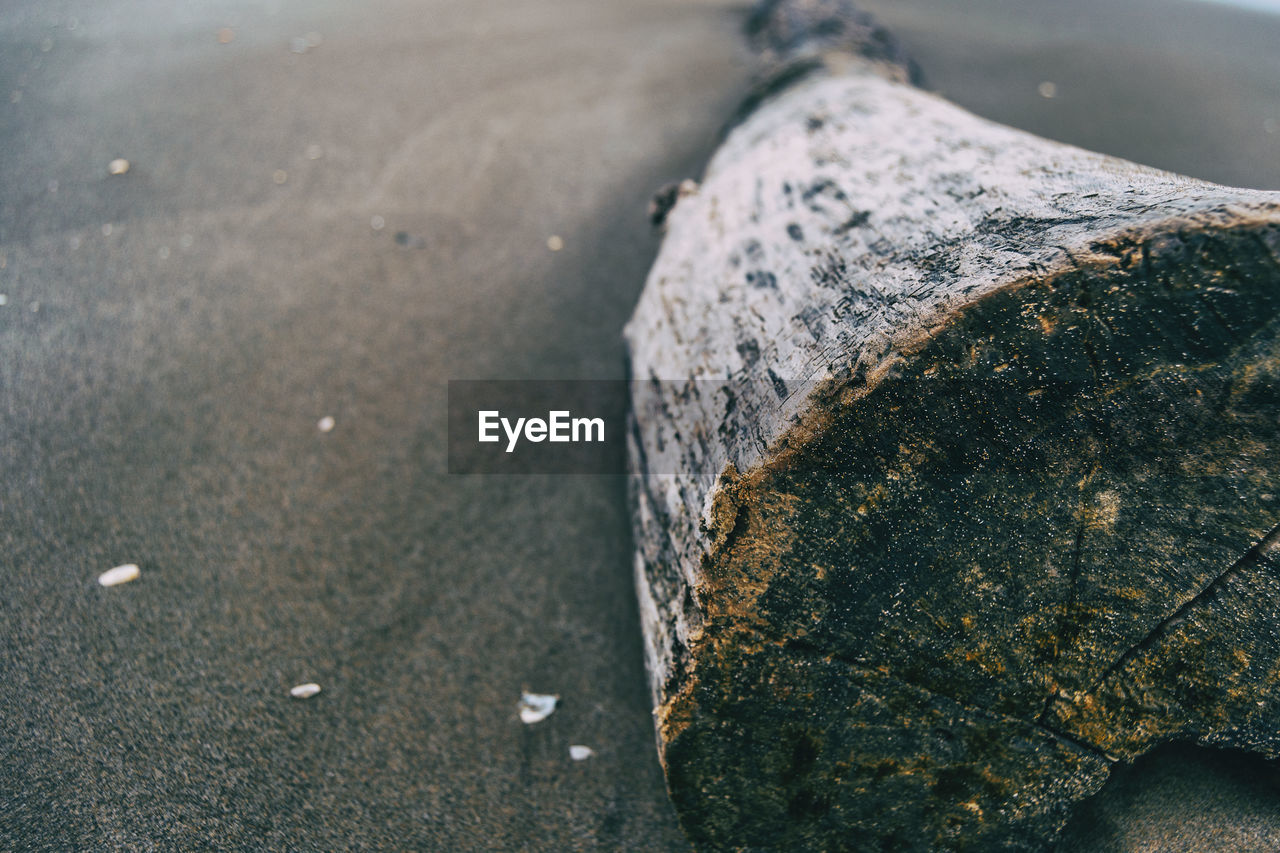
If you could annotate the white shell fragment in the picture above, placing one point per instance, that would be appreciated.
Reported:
(118, 575)
(118, 166)
(304, 691)
(325, 424)
(578, 752)
(536, 707)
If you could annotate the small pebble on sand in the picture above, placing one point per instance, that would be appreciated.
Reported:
(279, 176)
(325, 424)
(107, 228)
(536, 707)
(1048, 89)
(118, 575)
(304, 691)
(118, 166)
(314, 152)
(554, 243)
(578, 752)
(226, 35)
(377, 223)
(4, 300)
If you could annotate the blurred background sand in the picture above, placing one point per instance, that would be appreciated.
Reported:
(330, 210)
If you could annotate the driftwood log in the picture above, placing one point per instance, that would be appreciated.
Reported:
(958, 473)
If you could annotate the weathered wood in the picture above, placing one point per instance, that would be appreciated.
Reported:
(958, 473)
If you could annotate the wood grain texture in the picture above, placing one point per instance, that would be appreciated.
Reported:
(957, 465)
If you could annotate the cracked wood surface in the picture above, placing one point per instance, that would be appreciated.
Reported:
(951, 442)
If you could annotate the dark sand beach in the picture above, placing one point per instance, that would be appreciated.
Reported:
(331, 209)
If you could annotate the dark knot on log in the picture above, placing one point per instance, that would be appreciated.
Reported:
(796, 32)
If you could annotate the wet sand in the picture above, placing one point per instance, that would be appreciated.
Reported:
(172, 337)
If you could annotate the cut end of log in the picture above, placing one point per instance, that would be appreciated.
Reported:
(945, 613)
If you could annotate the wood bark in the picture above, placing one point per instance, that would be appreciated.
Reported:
(957, 463)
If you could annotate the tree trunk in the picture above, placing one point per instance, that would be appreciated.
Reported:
(958, 472)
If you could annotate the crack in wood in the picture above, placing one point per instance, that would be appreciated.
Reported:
(1264, 546)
